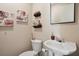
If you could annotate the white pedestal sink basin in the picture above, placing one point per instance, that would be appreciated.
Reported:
(60, 48)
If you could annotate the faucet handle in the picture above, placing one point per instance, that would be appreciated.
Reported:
(59, 39)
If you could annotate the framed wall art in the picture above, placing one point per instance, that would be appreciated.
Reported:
(5, 18)
(22, 16)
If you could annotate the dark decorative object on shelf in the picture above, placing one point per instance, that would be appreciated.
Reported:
(37, 14)
(38, 26)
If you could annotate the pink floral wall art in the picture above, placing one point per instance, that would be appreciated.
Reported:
(5, 18)
(22, 16)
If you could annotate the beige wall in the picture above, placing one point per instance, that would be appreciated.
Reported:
(16, 39)
(70, 32)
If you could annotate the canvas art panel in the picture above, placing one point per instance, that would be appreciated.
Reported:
(5, 18)
(22, 16)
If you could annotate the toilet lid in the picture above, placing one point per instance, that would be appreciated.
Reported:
(28, 53)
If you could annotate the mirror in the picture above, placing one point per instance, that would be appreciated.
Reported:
(62, 13)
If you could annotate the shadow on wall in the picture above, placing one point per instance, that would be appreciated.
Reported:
(6, 28)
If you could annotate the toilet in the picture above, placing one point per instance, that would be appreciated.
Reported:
(36, 46)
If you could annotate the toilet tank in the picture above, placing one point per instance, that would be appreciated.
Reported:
(36, 45)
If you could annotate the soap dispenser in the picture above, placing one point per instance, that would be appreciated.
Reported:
(52, 37)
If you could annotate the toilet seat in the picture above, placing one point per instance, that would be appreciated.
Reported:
(29, 53)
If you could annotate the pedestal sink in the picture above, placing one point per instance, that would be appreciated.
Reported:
(60, 48)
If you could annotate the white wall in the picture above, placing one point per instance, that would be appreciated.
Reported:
(16, 39)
